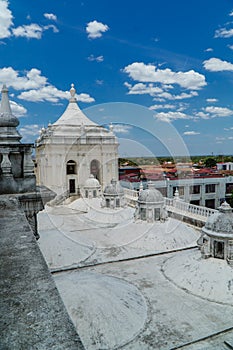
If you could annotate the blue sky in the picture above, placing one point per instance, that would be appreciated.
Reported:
(173, 57)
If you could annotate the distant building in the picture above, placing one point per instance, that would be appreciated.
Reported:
(72, 148)
(225, 166)
(205, 190)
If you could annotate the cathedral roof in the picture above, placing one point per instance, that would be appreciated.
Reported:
(73, 114)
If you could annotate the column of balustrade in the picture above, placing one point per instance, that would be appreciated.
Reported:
(6, 164)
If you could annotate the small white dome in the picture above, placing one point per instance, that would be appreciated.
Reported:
(221, 222)
(114, 188)
(150, 195)
(91, 182)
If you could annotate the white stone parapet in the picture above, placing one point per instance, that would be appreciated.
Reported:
(187, 208)
(175, 206)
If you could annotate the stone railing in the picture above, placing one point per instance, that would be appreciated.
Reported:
(175, 206)
(188, 209)
(131, 196)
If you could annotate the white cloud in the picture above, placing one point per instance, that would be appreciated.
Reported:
(96, 29)
(231, 13)
(85, 98)
(163, 106)
(191, 133)
(99, 82)
(223, 33)
(220, 138)
(51, 94)
(35, 86)
(183, 95)
(214, 112)
(230, 47)
(209, 49)
(211, 100)
(51, 26)
(149, 73)
(30, 132)
(170, 116)
(17, 109)
(50, 16)
(97, 58)
(32, 30)
(219, 111)
(5, 19)
(217, 65)
(203, 115)
(45, 93)
(121, 128)
(30, 80)
(157, 92)
(141, 89)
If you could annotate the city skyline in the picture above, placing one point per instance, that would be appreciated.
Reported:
(173, 58)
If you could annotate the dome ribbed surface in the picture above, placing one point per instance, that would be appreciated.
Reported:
(221, 221)
(150, 195)
(91, 182)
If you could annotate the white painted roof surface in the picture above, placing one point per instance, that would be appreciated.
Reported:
(210, 279)
(98, 232)
(105, 301)
(74, 116)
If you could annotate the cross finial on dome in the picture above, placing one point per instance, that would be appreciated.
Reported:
(176, 194)
(225, 207)
(72, 93)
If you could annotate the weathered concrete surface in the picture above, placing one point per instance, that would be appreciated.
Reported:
(32, 314)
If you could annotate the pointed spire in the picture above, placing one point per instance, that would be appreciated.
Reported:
(72, 93)
(5, 104)
(8, 122)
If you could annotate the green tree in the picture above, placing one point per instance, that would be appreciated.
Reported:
(210, 162)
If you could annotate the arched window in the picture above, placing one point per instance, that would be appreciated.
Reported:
(71, 167)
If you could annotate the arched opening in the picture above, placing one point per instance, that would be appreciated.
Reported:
(71, 167)
(219, 249)
(156, 213)
(95, 169)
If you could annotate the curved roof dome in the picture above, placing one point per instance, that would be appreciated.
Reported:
(91, 182)
(150, 195)
(220, 222)
(114, 188)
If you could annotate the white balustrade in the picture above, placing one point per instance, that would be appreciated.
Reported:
(187, 208)
(175, 205)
